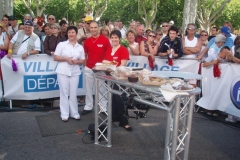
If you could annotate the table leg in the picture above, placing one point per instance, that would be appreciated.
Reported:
(96, 110)
(175, 127)
(109, 121)
(189, 126)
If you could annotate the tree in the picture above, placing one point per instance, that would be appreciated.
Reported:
(209, 11)
(170, 10)
(147, 10)
(75, 11)
(230, 13)
(39, 4)
(189, 13)
(6, 7)
(98, 7)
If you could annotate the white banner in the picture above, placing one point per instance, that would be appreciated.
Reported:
(35, 79)
(183, 65)
(221, 93)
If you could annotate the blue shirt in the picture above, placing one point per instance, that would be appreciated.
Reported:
(228, 42)
(214, 49)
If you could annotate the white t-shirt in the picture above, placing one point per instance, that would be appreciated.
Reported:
(2, 38)
(233, 50)
(190, 43)
(65, 49)
(23, 47)
(123, 32)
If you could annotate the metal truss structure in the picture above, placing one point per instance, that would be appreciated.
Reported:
(179, 111)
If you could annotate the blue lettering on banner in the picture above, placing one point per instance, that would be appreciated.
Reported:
(168, 68)
(235, 92)
(41, 83)
(132, 64)
(39, 66)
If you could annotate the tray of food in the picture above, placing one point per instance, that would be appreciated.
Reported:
(177, 85)
(121, 72)
(150, 80)
(105, 65)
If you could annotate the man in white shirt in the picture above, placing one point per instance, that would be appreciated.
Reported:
(24, 42)
(165, 27)
(122, 29)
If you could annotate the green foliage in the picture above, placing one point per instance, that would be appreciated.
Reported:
(19, 9)
(231, 13)
(58, 8)
(124, 10)
(127, 10)
(170, 10)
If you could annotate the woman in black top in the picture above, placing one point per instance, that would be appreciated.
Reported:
(50, 42)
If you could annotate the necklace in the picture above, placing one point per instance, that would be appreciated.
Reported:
(114, 50)
(95, 39)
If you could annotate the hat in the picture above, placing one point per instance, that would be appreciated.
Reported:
(171, 22)
(220, 38)
(149, 29)
(12, 18)
(29, 23)
(226, 31)
(88, 18)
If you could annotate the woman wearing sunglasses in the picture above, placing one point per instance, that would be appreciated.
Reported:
(159, 36)
(51, 41)
(191, 44)
(149, 47)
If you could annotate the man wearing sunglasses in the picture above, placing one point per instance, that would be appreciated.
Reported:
(229, 41)
(51, 19)
(191, 45)
(84, 32)
(165, 28)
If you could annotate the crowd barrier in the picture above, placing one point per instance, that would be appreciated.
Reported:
(36, 77)
(221, 93)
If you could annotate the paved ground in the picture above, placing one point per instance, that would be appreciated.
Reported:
(23, 141)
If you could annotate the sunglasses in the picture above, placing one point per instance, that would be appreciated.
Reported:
(152, 36)
(50, 18)
(88, 23)
(191, 28)
(165, 26)
(204, 35)
(160, 34)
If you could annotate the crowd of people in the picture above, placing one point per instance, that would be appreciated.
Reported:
(88, 43)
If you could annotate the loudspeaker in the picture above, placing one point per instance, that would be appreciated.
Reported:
(91, 129)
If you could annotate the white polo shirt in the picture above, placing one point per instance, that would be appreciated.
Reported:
(65, 49)
(23, 47)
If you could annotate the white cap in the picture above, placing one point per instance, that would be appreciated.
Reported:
(171, 22)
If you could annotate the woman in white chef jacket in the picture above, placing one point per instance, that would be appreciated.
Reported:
(69, 55)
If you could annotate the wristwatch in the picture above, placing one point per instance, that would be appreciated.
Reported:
(28, 53)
